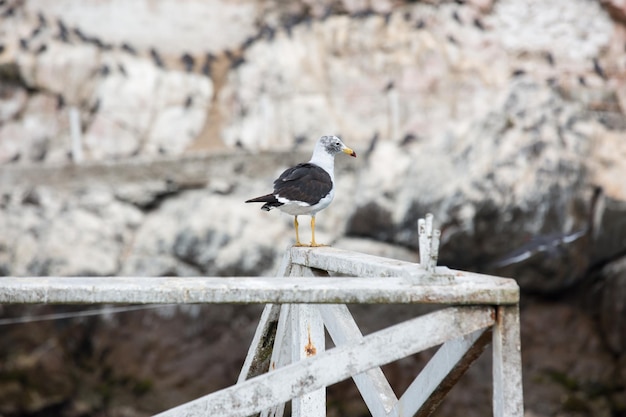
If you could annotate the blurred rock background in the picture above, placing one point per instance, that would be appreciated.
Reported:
(132, 132)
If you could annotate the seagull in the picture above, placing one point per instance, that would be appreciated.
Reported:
(307, 188)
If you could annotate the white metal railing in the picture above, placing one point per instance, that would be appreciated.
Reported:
(287, 359)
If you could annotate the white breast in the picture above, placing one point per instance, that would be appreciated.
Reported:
(299, 208)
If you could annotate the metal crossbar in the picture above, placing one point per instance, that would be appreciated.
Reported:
(498, 321)
(288, 359)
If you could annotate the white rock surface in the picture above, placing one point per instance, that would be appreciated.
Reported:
(38, 234)
(224, 236)
(537, 26)
(37, 133)
(169, 25)
(143, 110)
(13, 101)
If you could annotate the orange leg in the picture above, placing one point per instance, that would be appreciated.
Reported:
(313, 243)
(295, 223)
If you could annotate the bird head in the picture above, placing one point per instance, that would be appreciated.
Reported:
(333, 145)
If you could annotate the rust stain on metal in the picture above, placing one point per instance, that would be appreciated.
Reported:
(497, 311)
(309, 348)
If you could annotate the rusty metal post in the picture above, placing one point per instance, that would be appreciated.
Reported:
(308, 340)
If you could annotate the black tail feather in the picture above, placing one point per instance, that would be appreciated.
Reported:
(269, 200)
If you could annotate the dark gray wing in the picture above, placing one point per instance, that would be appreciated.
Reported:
(305, 182)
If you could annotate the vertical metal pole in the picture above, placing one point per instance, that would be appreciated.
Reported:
(507, 363)
(424, 244)
(307, 329)
(428, 242)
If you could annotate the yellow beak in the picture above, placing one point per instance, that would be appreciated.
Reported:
(349, 152)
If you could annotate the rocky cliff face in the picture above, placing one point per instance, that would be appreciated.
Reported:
(506, 119)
